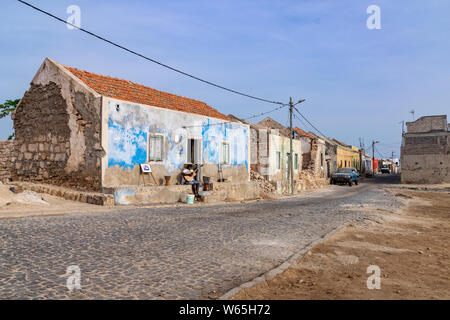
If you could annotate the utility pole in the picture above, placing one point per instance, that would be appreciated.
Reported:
(291, 153)
(373, 156)
(291, 156)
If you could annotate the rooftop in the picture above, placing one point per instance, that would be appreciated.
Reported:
(133, 92)
(303, 133)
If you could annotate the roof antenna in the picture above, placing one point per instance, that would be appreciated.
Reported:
(412, 112)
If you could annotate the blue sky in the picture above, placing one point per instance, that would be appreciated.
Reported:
(357, 82)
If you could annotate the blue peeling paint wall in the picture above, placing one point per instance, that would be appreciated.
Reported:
(129, 126)
(127, 146)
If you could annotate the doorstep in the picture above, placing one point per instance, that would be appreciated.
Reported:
(223, 192)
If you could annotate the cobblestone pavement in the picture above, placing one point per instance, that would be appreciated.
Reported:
(168, 253)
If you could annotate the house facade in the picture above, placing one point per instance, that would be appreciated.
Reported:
(356, 162)
(270, 146)
(344, 155)
(425, 151)
(82, 129)
(306, 140)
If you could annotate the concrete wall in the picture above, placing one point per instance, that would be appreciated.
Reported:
(57, 130)
(125, 140)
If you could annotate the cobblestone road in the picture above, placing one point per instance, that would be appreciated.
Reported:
(168, 253)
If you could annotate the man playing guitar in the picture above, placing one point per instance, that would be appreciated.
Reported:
(189, 175)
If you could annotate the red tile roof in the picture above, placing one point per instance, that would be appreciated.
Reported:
(303, 133)
(137, 93)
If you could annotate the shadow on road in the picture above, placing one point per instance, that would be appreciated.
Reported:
(384, 179)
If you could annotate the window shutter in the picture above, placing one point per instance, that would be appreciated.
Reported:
(198, 151)
(156, 148)
(189, 151)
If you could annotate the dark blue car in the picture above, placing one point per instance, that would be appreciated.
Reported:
(345, 176)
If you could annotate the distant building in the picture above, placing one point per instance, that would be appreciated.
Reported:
(306, 140)
(425, 151)
(270, 151)
(366, 163)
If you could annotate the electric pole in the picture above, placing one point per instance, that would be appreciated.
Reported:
(373, 156)
(291, 156)
(291, 153)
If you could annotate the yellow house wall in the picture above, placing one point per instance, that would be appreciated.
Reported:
(344, 155)
(355, 158)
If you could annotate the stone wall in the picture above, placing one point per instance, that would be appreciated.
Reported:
(317, 160)
(6, 159)
(425, 158)
(57, 131)
(428, 124)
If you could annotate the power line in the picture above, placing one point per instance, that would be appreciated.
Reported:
(244, 119)
(147, 58)
(301, 121)
(309, 122)
(380, 153)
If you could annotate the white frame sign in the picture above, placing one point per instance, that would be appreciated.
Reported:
(145, 167)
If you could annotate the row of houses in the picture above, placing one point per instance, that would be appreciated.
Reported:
(85, 130)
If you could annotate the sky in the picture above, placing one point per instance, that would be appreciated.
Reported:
(357, 82)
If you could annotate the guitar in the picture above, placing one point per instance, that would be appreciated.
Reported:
(190, 177)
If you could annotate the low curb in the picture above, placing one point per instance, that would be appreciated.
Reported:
(96, 198)
(269, 275)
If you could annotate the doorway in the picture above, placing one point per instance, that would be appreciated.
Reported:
(194, 151)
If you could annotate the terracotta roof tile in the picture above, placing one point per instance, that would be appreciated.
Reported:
(303, 133)
(137, 93)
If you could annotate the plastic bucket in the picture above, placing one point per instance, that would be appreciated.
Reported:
(190, 199)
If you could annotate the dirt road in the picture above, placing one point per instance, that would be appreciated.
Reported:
(409, 246)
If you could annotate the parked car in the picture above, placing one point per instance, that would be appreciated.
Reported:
(345, 176)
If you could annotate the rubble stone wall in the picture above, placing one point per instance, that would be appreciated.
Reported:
(6, 156)
(428, 124)
(57, 127)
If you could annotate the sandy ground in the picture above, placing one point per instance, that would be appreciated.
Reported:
(409, 246)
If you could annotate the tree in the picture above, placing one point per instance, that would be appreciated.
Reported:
(6, 109)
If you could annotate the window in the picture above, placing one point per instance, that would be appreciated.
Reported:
(278, 159)
(155, 147)
(296, 161)
(225, 153)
